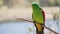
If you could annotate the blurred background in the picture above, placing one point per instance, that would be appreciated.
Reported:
(27, 3)
(12, 9)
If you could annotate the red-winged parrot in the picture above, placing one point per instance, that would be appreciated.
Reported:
(38, 17)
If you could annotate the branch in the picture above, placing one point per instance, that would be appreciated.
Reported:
(39, 23)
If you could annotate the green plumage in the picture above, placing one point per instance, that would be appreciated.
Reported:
(37, 17)
(37, 13)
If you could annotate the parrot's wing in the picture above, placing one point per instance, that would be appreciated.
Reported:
(43, 15)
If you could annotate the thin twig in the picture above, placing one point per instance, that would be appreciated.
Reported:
(39, 23)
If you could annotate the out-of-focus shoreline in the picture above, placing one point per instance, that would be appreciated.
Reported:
(26, 13)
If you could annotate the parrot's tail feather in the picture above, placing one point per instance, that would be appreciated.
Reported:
(36, 27)
(37, 30)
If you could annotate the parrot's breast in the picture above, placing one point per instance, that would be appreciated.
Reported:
(38, 17)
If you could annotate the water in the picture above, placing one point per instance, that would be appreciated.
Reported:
(53, 25)
(23, 27)
(17, 28)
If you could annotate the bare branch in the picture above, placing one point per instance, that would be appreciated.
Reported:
(39, 23)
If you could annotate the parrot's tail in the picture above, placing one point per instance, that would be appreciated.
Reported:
(36, 29)
(39, 28)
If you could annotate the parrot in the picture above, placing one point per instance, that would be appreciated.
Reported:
(38, 17)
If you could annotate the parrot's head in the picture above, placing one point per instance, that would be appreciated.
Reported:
(35, 5)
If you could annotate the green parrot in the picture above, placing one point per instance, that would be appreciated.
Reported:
(38, 17)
